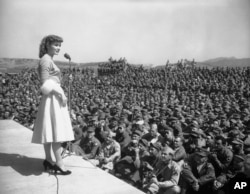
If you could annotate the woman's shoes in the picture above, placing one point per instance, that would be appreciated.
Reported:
(47, 165)
(57, 168)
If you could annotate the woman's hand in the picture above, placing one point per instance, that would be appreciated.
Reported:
(64, 100)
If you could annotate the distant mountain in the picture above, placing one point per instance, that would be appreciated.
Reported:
(15, 65)
(227, 62)
(221, 62)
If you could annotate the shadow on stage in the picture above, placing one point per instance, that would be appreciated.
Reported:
(22, 164)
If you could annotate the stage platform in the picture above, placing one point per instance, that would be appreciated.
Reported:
(21, 169)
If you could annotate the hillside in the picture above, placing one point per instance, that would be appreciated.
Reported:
(228, 62)
(222, 62)
(14, 65)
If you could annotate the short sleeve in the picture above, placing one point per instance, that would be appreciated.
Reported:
(44, 69)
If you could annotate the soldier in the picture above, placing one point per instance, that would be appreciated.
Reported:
(90, 144)
(153, 136)
(209, 141)
(237, 147)
(222, 157)
(74, 146)
(148, 162)
(220, 185)
(110, 152)
(165, 176)
(198, 174)
(122, 136)
(179, 151)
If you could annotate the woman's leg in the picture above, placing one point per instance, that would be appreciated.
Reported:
(56, 147)
(47, 149)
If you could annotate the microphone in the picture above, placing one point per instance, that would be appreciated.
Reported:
(67, 56)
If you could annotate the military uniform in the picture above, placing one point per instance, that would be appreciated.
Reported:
(222, 161)
(90, 147)
(110, 152)
(192, 174)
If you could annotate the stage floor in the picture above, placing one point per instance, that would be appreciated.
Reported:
(21, 169)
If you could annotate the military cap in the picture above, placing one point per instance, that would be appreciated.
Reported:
(137, 108)
(197, 112)
(138, 117)
(94, 118)
(236, 116)
(202, 152)
(144, 142)
(194, 123)
(137, 132)
(237, 142)
(210, 133)
(239, 157)
(233, 121)
(173, 119)
(195, 133)
(156, 145)
(188, 116)
(90, 129)
(106, 110)
(234, 132)
(114, 119)
(211, 116)
(223, 116)
(102, 116)
(216, 130)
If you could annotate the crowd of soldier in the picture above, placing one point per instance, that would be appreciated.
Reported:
(160, 130)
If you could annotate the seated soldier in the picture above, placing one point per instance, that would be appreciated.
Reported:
(197, 174)
(168, 139)
(209, 141)
(221, 157)
(127, 167)
(110, 152)
(247, 166)
(75, 144)
(90, 145)
(237, 147)
(148, 162)
(122, 136)
(179, 151)
(153, 136)
(136, 136)
(165, 176)
(221, 183)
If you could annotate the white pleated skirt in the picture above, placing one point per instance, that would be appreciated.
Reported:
(52, 123)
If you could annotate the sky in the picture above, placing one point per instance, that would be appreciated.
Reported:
(142, 31)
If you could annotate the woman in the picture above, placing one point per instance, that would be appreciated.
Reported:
(52, 125)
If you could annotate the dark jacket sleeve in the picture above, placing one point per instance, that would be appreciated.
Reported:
(208, 176)
(125, 141)
(223, 165)
(188, 175)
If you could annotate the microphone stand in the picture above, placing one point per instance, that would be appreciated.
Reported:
(69, 87)
(68, 146)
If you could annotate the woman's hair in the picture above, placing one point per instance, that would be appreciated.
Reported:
(48, 40)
